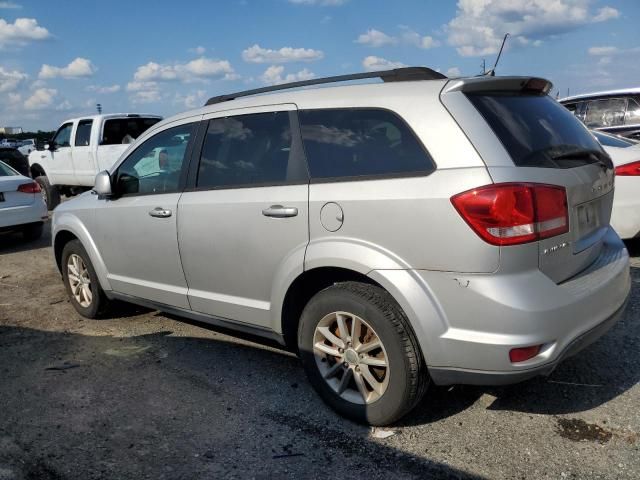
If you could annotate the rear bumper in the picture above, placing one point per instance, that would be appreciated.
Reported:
(625, 215)
(16, 216)
(452, 376)
(484, 316)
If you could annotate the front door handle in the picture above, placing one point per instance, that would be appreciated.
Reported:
(278, 211)
(160, 212)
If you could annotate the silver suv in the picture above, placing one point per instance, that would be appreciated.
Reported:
(394, 234)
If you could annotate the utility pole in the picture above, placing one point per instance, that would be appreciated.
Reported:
(484, 66)
(99, 108)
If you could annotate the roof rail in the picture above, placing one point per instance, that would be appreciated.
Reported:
(395, 75)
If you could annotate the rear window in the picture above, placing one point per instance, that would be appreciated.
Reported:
(612, 140)
(117, 131)
(7, 171)
(83, 133)
(360, 142)
(537, 131)
(10, 153)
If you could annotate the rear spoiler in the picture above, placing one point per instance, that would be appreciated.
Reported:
(499, 84)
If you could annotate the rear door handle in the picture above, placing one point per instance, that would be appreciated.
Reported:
(278, 211)
(160, 212)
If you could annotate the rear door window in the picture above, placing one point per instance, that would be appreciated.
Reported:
(608, 112)
(361, 142)
(117, 131)
(83, 133)
(249, 150)
(537, 131)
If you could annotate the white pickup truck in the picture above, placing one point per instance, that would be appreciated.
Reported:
(80, 149)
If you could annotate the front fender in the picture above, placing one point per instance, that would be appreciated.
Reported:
(66, 221)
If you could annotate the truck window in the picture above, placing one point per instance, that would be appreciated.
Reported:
(63, 136)
(632, 117)
(119, 131)
(83, 133)
(608, 112)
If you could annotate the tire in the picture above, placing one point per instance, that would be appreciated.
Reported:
(32, 231)
(399, 385)
(98, 303)
(50, 193)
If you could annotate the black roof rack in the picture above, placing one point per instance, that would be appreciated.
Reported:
(395, 75)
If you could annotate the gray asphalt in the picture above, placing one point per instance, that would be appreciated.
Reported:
(143, 395)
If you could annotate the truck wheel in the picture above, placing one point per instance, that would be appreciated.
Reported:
(360, 353)
(81, 281)
(50, 193)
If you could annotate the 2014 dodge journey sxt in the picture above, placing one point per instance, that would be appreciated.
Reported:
(416, 230)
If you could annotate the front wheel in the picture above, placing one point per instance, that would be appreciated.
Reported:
(81, 281)
(360, 353)
(50, 193)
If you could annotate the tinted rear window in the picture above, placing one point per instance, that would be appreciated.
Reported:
(360, 142)
(536, 130)
(6, 170)
(612, 140)
(125, 130)
(10, 154)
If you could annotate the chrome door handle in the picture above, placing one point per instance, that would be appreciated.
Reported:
(160, 212)
(278, 211)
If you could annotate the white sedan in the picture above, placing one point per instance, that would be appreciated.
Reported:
(22, 206)
(625, 153)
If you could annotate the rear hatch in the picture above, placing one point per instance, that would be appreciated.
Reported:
(546, 144)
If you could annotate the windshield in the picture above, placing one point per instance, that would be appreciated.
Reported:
(537, 131)
(612, 140)
(7, 171)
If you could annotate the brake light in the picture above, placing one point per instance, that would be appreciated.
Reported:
(629, 170)
(514, 213)
(32, 187)
(525, 353)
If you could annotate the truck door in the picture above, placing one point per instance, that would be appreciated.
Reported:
(61, 169)
(84, 163)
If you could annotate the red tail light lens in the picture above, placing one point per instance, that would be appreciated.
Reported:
(514, 213)
(629, 170)
(32, 187)
(521, 354)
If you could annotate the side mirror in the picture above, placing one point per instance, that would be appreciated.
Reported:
(102, 185)
(50, 146)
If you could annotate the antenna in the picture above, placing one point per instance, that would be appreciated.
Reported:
(492, 72)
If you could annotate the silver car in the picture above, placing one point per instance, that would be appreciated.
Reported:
(394, 234)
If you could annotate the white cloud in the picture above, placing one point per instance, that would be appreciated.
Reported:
(414, 38)
(191, 100)
(373, 63)
(198, 69)
(103, 89)
(137, 86)
(453, 72)
(41, 98)
(9, 5)
(376, 38)
(479, 25)
(199, 50)
(146, 96)
(21, 32)
(10, 79)
(598, 51)
(80, 67)
(323, 3)
(257, 54)
(64, 106)
(273, 75)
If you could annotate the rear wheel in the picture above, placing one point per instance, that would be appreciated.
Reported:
(32, 231)
(50, 193)
(360, 354)
(81, 281)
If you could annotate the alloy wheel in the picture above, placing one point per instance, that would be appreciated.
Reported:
(79, 280)
(351, 357)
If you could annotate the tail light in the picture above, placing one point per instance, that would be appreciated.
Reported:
(32, 187)
(514, 213)
(525, 353)
(629, 170)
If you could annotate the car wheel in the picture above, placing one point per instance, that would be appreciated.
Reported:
(360, 353)
(50, 193)
(32, 231)
(81, 281)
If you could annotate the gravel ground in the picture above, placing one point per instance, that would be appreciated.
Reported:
(147, 396)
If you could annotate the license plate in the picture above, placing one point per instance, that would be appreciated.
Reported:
(1, 197)
(588, 218)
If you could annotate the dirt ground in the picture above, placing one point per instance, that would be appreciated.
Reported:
(144, 395)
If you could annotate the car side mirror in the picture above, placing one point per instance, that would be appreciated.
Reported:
(102, 185)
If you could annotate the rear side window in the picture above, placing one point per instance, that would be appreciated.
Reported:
(83, 133)
(249, 150)
(361, 142)
(537, 131)
(608, 112)
(125, 130)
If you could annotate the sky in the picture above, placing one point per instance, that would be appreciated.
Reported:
(58, 59)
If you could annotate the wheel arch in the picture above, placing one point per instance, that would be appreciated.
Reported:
(37, 170)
